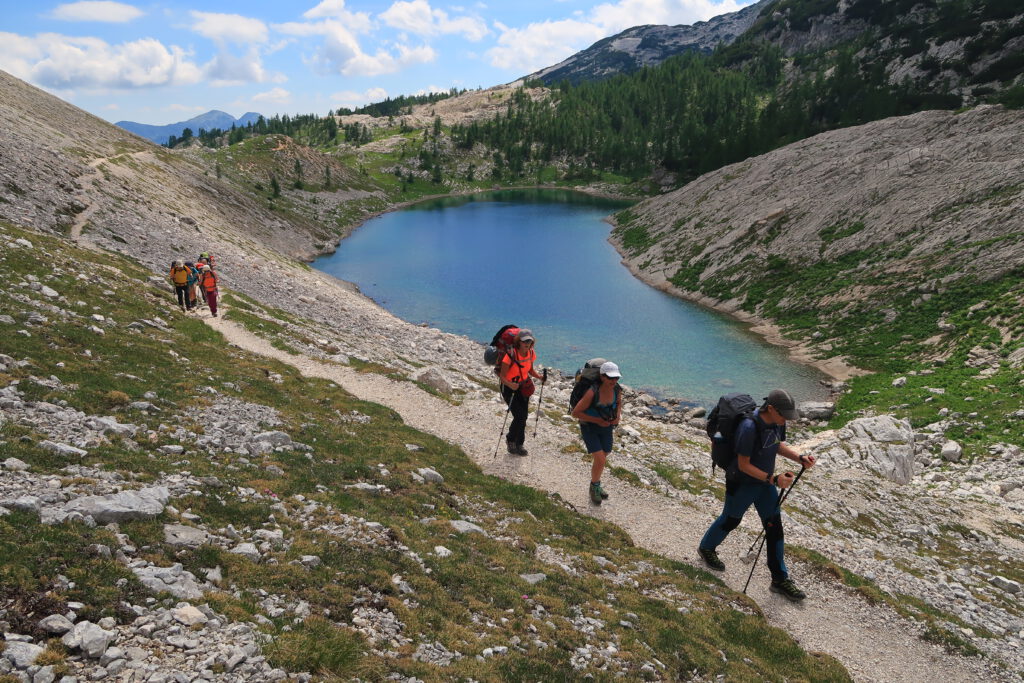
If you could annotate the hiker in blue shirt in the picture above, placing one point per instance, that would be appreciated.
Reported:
(751, 481)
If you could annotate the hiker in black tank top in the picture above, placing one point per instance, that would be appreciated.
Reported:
(598, 411)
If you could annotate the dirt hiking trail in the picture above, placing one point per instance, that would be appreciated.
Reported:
(872, 642)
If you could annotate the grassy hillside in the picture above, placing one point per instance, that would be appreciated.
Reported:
(611, 610)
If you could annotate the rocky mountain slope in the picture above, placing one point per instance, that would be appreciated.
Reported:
(144, 452)
(933, 199)
(57, 159)
(970, 49)
(649, 45)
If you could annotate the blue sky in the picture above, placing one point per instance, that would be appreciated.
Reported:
(162, 62)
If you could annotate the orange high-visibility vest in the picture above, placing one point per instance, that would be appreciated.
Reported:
(208, 281)
(518, 366)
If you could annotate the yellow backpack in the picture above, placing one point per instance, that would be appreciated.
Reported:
(179, 275)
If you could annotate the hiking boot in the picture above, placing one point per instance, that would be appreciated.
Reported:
(711, 559)
(788, 590)
(597, 494)
(520, 450)
(512, 448)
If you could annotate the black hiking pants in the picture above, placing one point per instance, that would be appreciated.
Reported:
(519, 407)
(183, 299)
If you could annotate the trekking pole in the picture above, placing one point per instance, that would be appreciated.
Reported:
(540, 402)
(762, 535)
(507, 411)
(782, 500)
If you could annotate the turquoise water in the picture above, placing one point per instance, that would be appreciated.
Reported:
(540, 258)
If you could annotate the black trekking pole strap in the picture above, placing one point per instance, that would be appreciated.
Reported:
(540, 401)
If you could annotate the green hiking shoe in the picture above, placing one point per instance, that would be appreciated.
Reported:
(787, 589)
(711, 559)
(597, 494)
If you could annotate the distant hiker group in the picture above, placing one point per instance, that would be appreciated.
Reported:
(746, 437)
(195, 283)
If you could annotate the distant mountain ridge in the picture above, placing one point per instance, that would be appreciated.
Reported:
(649, 45)
(208, 121)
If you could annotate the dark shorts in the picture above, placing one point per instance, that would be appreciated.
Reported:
(596, 438)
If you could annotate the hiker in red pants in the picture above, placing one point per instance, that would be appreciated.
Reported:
(208, 285)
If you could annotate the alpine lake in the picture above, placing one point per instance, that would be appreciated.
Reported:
(541, 259)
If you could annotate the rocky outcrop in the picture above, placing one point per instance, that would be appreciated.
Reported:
(883, 444)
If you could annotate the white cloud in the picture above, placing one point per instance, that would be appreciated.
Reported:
(274, 96)
(227, 69)
(546, 43)
(542, 44)
(229, 28)
(341, 53)
(618, 16)
(96, 10)
(187, 108)
(386, 63)
(353, 99)
(335, 9)
(62, 62)
(417, 17)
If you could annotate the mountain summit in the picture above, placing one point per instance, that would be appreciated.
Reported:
(648, 46)
(208, 121)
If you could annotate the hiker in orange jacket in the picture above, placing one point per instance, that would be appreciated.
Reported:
(516, 372)
(208, 285)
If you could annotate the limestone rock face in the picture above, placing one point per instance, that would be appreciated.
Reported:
(89, 638)
(817, 410)
(120, 507)
(434, 379)
(883, 444)
(181, 535)
(21, 655)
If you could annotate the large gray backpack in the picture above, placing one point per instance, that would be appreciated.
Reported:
(587, 376)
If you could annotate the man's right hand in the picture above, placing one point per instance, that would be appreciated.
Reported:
(785, 480)
(514, 386)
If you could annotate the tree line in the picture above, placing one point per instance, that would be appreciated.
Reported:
(693, 113)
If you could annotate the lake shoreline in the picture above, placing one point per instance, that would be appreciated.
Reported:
(763, 330)
(800, 350)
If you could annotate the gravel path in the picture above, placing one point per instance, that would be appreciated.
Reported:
(874, 643)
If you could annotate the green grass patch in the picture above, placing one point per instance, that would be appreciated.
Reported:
(470, 600)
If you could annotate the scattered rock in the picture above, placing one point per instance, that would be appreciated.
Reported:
(181, 535)
(430, 475)
(464, 527)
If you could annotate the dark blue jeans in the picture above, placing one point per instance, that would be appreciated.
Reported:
(765, 498)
